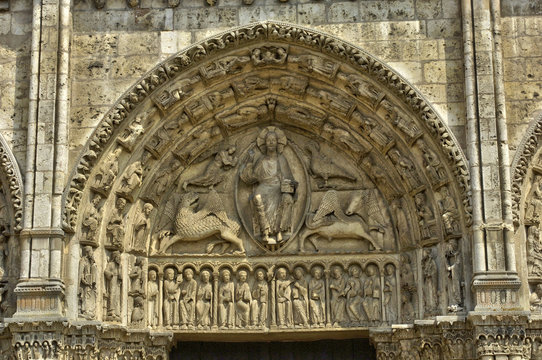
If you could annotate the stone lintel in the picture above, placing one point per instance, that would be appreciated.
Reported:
(42, 233)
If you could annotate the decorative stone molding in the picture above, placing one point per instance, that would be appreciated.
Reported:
(14, 184)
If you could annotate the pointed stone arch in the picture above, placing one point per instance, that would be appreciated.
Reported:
(216, 101)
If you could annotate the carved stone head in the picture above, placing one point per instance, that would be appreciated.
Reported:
(205, 276)
(188, 274)
(152, 275)
(226, 275)
(242, 276)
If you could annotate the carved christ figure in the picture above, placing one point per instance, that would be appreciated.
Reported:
(274, 187)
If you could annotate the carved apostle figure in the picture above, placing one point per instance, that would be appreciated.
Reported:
(187, 300)
(274, 187)
(390, 293)
(430, 278)
(87, 284)
(300, 297)
(371, 290)
(204, 299)
(284, 299)
(317, 297)
(91, 221)
(354, 293)
(113, 282)
(258, 307)
(338, 289)
(226, 296)
(453, 266)
(138, 314)
(243, 298)
(141, 226)
(171, 289)
(115, 227)
(152, 299)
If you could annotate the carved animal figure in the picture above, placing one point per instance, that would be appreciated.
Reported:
(323, 167)
(332, 224)
(192, 225)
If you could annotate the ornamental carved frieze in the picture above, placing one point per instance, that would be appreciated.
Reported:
(271, 187)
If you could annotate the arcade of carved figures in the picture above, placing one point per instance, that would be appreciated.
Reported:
(273, 183)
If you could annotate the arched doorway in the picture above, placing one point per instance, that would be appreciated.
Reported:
(272, 179)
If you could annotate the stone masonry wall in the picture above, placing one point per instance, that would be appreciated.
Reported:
(15, 39)
(522, 55)
(113, 47)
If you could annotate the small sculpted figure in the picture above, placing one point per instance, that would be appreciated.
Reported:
(371, 289)
(405, 167)
(204, 299)
(260, 293)
(136, 281)
(141, 226)
(431, 162)
(133, 132)
(87, 284)
(131, 179)
(425, 215)
(535, 300)
(171, 290)
(187, 301)
(243, 298)
(317, 298)
(215, 171)
(226, 296)
(107, 173)
(534, 205)
(534, 248)
(300, 295)
(354, 293)
(449, 212)
(337, 288)
(284, 299)
(274, 187)
(390, 293)
(91, 221)
(430, 276)
(453, 266)
(113, 282)
(152, 299)
(138, 314)
(115, 227)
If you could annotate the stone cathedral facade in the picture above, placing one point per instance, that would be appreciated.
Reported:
(177, 171)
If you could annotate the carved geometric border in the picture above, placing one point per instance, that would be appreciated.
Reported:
(252, 33)
(10, 169)
(527, 148)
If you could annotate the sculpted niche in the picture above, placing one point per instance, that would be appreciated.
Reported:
(271, 187)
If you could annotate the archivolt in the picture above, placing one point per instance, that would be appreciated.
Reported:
(311, 55)
(12, 184)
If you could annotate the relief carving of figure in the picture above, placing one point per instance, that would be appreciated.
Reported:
(354, 293)
(316, 64)
(215, 170)
(258, 307)
(142, 224)
(152, 299)
(269, 55)
(87, 284)
(107, 173)
(325, 168)
(131, 180)
(317, 299)
(401, 223)
(453, 267)
(430, 281)
(408, 288)
(226, 298)
(163, 180)
(138, 314)
(284, 299)
(91, 221)
(371, 290)
(300, 299)
(171, 296)
(406, 168)
(431, 162)
(136, 280)
(535, 300)
(425, 216)
(534, 248)
(342, 136)
(450, 215)
(199, 141)
(134, 130)
(204, 299)
(115, 227)
(534, 206)
(390, 293)
(243, 298)
(187, 299)
(113, 282)
(273, 187)
(338, 289)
